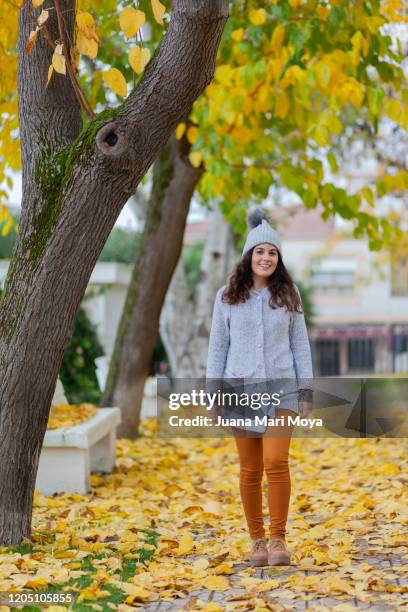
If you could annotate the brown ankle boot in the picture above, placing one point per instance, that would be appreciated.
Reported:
(259, 553)
(278, 554)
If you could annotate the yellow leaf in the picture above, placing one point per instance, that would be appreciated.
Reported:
(292, 75)
(320, 135)
(158, 9)
(58, 60)
(192, 134)
(64, 554)
(393, 108)
(186, 544)
(86, 46)
(257, 16)
(213, 506)
(322, 12)
(277, 38)
(320, 557)
(36, 583)
(281, 105)
(7, 226)
(181, 128)
(276, 66)
(75, 57)
(115, 80)
(243, 135)
(37, 3)
(388, 469)
(238, 35)
(92, 592)
(86, 25)
(337, 584)
(323, 71)
(268, 585)
(195, 158)
(358, 41)
(357, 96)
(334, 124)
(216, 583)
(223, 568)
(131, 20)
(42, 18)
(31, 40)
(50, 71)
(138, 58)
(200, 564)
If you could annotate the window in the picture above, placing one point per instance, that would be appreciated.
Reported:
(327, 358)
(331, 273)
(361, 354)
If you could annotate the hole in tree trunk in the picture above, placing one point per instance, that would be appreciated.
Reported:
(111, 139)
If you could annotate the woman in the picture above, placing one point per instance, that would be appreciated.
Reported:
(258, 331)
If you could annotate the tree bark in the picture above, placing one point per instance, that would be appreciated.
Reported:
(185, 323)
(174, 182)
(71, 202)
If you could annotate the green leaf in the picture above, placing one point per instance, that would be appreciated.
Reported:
(334, 167)
(374, 98)
(337, 16)
(298, 37)
(309, 199)
(290, 178)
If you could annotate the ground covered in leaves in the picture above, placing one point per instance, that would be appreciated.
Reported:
(168, 522)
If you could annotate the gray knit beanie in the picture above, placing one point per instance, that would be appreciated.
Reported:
(261, 231)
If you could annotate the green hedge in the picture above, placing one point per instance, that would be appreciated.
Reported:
(121, 245)
(78, 368)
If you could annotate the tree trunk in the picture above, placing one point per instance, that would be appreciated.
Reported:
(174, 182)
(71, 201)
(185, 323)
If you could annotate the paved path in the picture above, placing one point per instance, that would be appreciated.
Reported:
(279, 599)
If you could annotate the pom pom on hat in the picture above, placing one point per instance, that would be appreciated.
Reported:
(255, 217)
(261, 230)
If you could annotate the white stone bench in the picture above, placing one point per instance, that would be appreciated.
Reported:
(68, 456)
(149, 403)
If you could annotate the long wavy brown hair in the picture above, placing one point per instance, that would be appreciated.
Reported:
(280, 284)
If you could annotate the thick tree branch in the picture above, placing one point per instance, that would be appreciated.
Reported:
(49, 117)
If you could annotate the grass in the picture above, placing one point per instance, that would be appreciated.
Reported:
(116, 596)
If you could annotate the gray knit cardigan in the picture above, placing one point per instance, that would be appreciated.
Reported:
(253, 340)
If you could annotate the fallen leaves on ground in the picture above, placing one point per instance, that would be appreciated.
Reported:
(168, 521)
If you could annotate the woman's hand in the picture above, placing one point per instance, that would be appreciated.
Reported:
(305, 408)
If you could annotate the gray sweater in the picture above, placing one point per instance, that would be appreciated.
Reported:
(253, 340)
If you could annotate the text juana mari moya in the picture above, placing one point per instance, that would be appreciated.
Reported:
(253, 400)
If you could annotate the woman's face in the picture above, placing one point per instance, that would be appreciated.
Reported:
(264, 260)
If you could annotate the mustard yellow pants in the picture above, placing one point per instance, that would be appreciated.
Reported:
(268, 453)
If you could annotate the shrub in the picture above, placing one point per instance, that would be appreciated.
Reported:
(121, 246)
(78, 368)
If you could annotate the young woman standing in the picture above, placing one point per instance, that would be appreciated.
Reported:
(258, 331)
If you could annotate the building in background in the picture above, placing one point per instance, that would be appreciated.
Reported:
(360, 302)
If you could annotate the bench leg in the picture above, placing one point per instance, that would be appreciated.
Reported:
(103, 453)
(63, 469)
